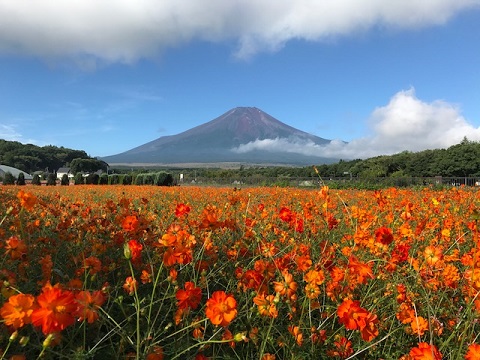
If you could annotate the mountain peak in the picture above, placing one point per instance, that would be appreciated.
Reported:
(214, 141)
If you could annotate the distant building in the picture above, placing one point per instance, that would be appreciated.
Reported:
(62, 171)
(14, 171)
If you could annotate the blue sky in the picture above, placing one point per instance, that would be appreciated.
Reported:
(108, 76)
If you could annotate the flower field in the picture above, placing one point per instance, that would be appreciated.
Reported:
(142, 272)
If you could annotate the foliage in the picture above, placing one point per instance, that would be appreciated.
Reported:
(78, 179)
(36, 180)
(51, 179)
(8, 178)
(31, 158)
(92, 179)
(87, 165)
(64, 180)
(21, 179)
(163, 178)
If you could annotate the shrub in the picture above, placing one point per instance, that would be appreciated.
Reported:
(139, 179)
(21, 179)
(92, 179)
(8, 179)
(78, 179)
(113, 179)
(127, 179)
(36, 180)
(51, 180)
(163, 178)
(65, 180)
(148, 179)
(103, 179)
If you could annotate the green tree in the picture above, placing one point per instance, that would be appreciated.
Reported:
(51, 180)
(21, 179)
(36, 180)
(8, 179)
(78, 179)
(64, 180)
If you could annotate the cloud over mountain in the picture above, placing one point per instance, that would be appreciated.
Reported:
(405, 123)
(125, 31)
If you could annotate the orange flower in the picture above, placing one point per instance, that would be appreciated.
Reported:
(355, 317)
(266, 305)
(419, 325)
(130, 285)
(146, 277)
(316, 277)
(221, 308)
(190, 297)
(343, 348)
(55, 311)
(88, 304)
(268, 356)
(27, 200)
(16, 248)
(287, 287)
(297, 334)
(425, 351)
(181, 210)
(18, 310)
(432, 254)
(473, 352)
(130, 223)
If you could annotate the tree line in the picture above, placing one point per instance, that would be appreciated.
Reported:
(460, 160)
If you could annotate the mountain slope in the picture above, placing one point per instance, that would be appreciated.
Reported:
(223, 140)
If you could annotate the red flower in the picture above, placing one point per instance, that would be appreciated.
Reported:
(384, 236)
(55, 311)
(88, 304)
(351, 314)
(190, 297)
(181, 210)
(425, 351)
(286, 214)
(221, 308)
(130, 223)
(135, 250)
(355, 317)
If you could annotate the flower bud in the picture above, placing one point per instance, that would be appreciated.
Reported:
(240, 337)
(127, 252)
(14, 336)
(24, 340)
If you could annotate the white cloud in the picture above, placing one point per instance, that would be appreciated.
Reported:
(405, 123)
(123, 30)
(8, 132)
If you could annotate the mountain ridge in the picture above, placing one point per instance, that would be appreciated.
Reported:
(216, 141)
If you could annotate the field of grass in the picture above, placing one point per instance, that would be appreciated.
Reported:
(143, 272)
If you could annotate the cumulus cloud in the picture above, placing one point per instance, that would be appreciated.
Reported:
(125, 30)
(405, 123)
